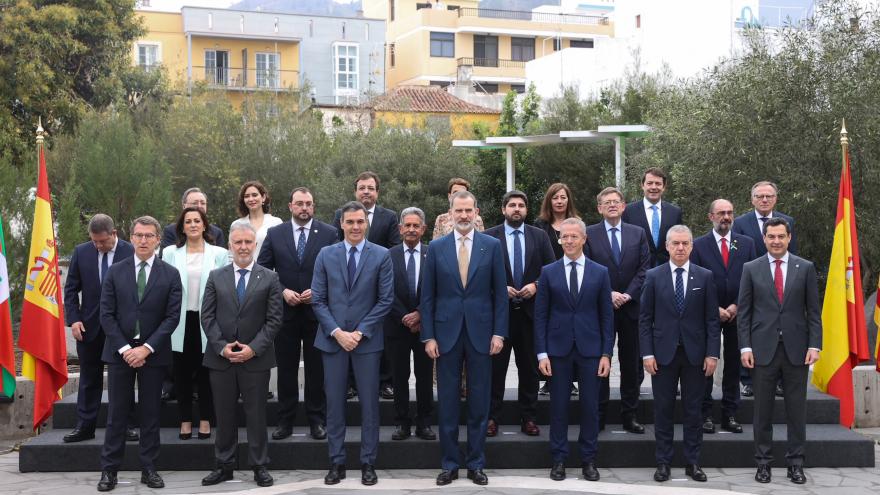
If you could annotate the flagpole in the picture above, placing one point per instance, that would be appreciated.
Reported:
(40, 137)
(844, 141)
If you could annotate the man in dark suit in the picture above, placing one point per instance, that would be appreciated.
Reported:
(680, 341)
(352, 292)
(383, 230)
(464, 317)
(525, 250)
(140, 308)
(780, 333)
(403, 327)
(653, 214)
(82, 299)
(724, 253)
(574, 330)
(622, 249)
(193, 197)
(290, 249)
(241, 314)
(764, 196)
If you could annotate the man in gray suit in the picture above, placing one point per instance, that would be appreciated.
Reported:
(241, 314)
(780, 334)
(352, 292)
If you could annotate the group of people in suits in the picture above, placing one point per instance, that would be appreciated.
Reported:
(359, 298)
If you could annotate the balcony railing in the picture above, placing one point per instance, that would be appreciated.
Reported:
(521, 15)
(246, 79)
(490, 62)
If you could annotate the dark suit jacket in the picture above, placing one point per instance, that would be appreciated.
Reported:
(403, 303)
(84, 280)
(446, 305)
(279, 253)
(256, 320)
(383, 231)
(635, 259)
(539, 252)
(747, 224)
(158, 312)
(707, 254)
(661, 326)
(562, 322)
(761, 317)
(670, 215)
(169, 236)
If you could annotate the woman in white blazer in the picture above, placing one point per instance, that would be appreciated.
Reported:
(194, 257)
(253, 206)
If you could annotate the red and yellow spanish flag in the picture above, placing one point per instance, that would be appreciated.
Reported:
(844, 334)
(877, 323)
(41, 336)
(7, 357)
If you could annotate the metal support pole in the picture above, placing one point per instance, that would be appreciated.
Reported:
(619, 161)
(511, 171)
(189, 64)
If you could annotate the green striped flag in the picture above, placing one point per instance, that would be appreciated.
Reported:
(7, 357)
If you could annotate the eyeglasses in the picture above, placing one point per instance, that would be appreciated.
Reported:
(139, 236)
(764, 196)
(611, 202)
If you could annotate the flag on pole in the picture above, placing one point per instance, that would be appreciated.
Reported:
(844, 334)
(7, 357)
(41, 335)
(877, 323)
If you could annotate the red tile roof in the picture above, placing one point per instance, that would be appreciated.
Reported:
(425, 99)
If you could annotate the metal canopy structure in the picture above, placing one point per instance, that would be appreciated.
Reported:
(618, 133)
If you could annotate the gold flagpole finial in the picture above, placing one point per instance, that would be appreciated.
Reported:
(40, 132)
(844, 139)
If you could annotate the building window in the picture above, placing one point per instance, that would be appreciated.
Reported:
(485, 51)
(268, 70)
(217, 67)
(440, 84)
(522, 49)
(519, 88)
(442, 45)
(148, 55)
(488, 88)
(391, 55)
(345, 69)
(581, 43)
(557, 44)
(638, 21)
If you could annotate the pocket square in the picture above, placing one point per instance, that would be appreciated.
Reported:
(697, 288)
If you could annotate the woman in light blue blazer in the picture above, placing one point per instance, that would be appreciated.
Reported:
(194, 257)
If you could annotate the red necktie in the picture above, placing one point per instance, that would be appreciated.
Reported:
(725, 252)
(777, 279)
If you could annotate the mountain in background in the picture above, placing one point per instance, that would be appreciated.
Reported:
(329, 7)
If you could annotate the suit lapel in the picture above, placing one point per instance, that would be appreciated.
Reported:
(312, 242)
(451, 255)
(367, 252)
(764, 266)
(151, 280)
(229, 275)
(256, 278)
(476, 255)
(716, 251)
(582, 285)
(504, 254)
(531, 249)
(642, 215)
(289, 233)
(606, 244)
(793, 271)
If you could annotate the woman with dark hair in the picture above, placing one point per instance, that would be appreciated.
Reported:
(445, 223)
(556, 207)
(194, 257)
(253, 206)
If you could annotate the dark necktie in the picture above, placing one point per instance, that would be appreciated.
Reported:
(763, 221)
(573, 280)
(615, 246)
(725, 252)
(411, 274)
(517, 260)
(142, 280)
(301, 244)
(777, 279)
(242, 285)
(104, 266)
(679, 289)
(352, 266)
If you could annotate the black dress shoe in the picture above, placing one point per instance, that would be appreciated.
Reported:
(633, 426)
(695, 472)
(78, 435)
(446, 477)
(747, 391)
(545, 389)
(219, 475)
(368, 475)
(425, 433)
(796, 475)
(386, 392)
(335, 475)
(589, 471)
(166, 396)
(478, 477)
(131, 435)
(204, 436)
(270, 395)
(318, 432)
(732, 425)
(763, 474)
(351, 394)
(557, 472)
(108, 481)
(662, 473)
(401, 433)
(262, 476)
(282, 432)
(152, 479)
(708, 426)
(779, 391)
(574, 390)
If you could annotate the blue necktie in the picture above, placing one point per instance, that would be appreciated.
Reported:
(352, 266)
(573, 280)
(411, 274)
(655, 226)
(301, 244)
(104, 266)
(240, 287)
(679, 290)
(517, 260)
(615, 246)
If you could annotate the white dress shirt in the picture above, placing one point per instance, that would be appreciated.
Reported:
(416, 257)
(758, 217)
(247, 276)
(307, 228)
(649, 213)
(510, 237)
(718, 238)
(468, 244)
(617, 234)
(110, 255)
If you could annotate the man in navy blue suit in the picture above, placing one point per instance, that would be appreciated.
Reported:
(679, 334)
(464, 317)
(724, 253)
(290, 249)
(82, 299)
(622, 249)
(574, 330)
(653, 214)
(352, 292)
(140, 308)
